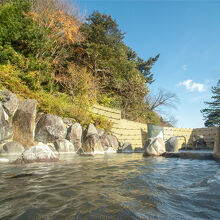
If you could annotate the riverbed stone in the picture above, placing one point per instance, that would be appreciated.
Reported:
(13, 147)
(38, 153)
(92, 143)
(49, 129)
(127, 147)
(64, 146)
(74, 135)
(24, 122)
(6, 131)
(10, 102)
(172, 144)
(154, 147)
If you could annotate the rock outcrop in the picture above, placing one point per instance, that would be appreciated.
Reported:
(6, 131)
(109, 142)
(24, 123)
(21, 128)
(172, 144)
(74, 135)
(10, 102)
(127, 148)
(38, 153)
(92, 142)
(154, 147)
(49, 129)
(64, 146)
(13, 148)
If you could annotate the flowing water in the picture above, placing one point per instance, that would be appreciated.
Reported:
(114, 186)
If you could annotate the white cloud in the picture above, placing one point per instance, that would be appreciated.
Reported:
(192, 86)
(185, 67)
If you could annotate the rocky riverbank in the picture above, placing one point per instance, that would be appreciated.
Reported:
(40, 137)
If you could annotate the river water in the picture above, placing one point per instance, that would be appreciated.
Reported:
(113, 186)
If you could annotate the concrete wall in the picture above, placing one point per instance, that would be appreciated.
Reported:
(137, 133)
(217, 145)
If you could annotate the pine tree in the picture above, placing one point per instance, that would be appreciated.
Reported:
(211, 114)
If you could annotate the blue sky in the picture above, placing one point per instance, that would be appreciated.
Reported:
(187, 36)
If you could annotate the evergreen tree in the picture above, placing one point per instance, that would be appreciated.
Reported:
(212, 113)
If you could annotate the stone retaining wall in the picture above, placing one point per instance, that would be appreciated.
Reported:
(137, 133)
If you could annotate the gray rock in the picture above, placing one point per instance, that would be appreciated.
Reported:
(2, 151)
(92, 142)
(172, 144)
(105, 141)
(10, 102)
(68, 121)
(91, 130)
(109, 142)
(38, 153)
(100, 132)
(24, 122)
(74, 135)
(6, 131)
(114, 142)
(49, 129)
(64, 146)
(127, 147)
(52, 147)
(13, 148)
(199, 142)
(154, 147)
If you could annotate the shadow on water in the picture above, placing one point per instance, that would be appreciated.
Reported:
(114, 186)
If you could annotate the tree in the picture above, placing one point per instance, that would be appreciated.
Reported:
(157, 103)
(211, 114)
(163, 98)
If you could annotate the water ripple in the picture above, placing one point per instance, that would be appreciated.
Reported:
(117, 186)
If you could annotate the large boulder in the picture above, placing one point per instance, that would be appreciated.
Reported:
(13, 148)
(114, 142)
(92, 143)
(38, 153)
(74, 135)
(106, 143)
(10, 102)
(127, 147)
(49, 129)
(6, 131)
(199, 142)
(109, 143)
(64, 146)
(24, 122)
(154, 147)
(172, 144)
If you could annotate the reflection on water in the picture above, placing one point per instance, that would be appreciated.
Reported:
(117, 186)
